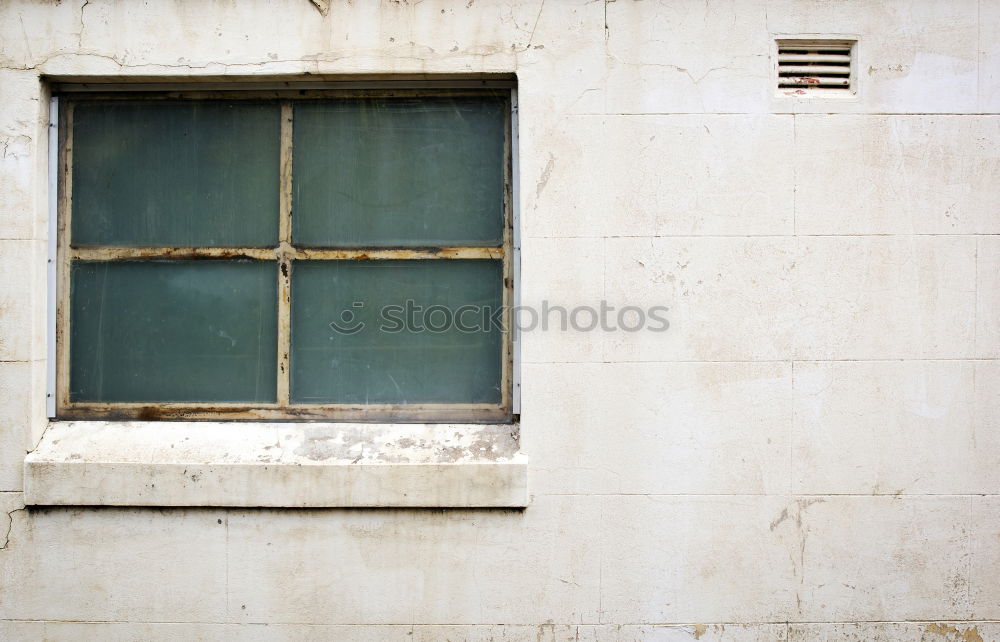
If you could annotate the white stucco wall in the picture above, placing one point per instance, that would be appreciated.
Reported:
(812, 452)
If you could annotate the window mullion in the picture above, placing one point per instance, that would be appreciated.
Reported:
(360, 254)
(178, 253)
(285, 254)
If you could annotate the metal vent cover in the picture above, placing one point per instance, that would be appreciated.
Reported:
(807, 66)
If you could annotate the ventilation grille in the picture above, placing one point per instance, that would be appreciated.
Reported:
(814, 65)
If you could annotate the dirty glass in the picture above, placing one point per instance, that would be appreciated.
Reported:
(396, 331)
(399, 172)
(196, 173)
(161, 331)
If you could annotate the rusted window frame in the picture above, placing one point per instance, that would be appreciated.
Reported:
(284, 254)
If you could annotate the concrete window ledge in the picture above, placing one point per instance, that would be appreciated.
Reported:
(276, 465)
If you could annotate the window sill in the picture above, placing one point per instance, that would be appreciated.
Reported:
(308, 465)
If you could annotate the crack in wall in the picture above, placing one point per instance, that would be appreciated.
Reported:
(122, 63)
(79, 36)
(10, 526)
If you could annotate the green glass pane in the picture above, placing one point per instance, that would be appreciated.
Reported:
(399, 172)
(173, 331)
(197, 173)
(356, 339)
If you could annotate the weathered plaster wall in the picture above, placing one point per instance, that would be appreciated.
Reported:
(812, 452)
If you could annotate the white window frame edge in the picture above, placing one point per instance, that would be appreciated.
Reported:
(515, 198)
(276, 464)
(50, 319)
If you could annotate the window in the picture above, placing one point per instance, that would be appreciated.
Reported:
(335, 254)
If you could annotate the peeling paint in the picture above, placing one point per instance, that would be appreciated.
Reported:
(546, 174)
(323, 6)
(953, 633)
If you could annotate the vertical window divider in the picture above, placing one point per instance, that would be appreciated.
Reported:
(507, 357)
(284, 256)
(64, 189)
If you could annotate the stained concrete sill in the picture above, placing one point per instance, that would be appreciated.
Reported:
(90, 463)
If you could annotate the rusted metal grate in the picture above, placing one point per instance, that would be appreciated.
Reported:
(820, 65)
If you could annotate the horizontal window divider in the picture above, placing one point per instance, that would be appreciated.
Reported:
(400, 253)
(196, 411)
(178, 253)
(274, 254)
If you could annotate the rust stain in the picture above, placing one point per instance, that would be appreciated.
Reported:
(224, 254)
(148, 413)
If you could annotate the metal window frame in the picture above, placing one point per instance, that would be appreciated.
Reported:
(62, 253)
